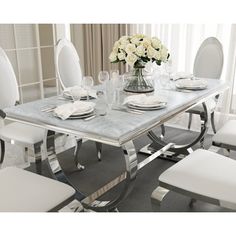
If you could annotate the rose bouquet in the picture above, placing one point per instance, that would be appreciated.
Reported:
(137, 50)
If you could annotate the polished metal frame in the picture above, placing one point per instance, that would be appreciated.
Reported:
(125, 142)
(161, 191)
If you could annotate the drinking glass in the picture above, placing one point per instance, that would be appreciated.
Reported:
(87, 83)
(114, 74)
(103, 77)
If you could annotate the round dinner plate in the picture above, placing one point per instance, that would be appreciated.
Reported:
(148, 108)
(191, 84)
(79, 113)
(73, 117)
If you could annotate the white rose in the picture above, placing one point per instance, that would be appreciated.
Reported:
(156, 43)
(140, 51)
(131, 59)
(157, 55)
(164, 53)
(130, 48)
(123, 44)
(116, 46)
(151, 52)
(121, 56)
(139, 36)
(113, 57)
(135, 40)
(146, 42)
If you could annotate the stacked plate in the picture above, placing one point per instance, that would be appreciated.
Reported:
(82, 115)
(191, 84)
(80, 92)
(76, 110)
(146, 103)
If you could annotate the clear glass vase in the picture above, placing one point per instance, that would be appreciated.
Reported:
(138, 83)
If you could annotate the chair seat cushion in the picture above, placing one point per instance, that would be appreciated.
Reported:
(23, 191)
(227, 134)
(211, 105)
(207, 174)
(22, 133)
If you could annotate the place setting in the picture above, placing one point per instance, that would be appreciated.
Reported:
(185, 82)
(143, 103)
(78, 92)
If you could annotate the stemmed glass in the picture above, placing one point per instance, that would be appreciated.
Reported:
(103, 77)
(87, 83)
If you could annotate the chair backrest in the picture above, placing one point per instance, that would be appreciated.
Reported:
(209, 59)
(67, 64)
(9, 93)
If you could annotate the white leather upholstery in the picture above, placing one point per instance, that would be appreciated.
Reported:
(227, 134)
(67, 64)
(22, 133)
(8, 88)
(208, 62)
(205, 173)
(23, 191)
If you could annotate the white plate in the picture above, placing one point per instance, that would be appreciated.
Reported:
(192, 84)
(73, 117)
(79, 113)
(67, 96)
(148, 108)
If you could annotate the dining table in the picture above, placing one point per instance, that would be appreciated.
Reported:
(116, 128)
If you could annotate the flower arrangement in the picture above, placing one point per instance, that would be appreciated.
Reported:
(137, 50)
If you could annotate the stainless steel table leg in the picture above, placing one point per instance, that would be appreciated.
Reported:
(53, 163)
(90, 202)
(99, 150)
(180, 149)
(128, 177)
(76, 154)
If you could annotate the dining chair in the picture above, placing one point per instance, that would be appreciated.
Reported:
(24, 191)
(208, 63)
(29, 137)
(204, 175)
(67, 64)
(69, 74)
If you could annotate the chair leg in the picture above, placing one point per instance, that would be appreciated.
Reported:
(190, 120)
(192, 201)
(157, 196)
(213, 122)
(76, 154)
(99, 150)
(163, 131)
(38, 158)
(2, 151)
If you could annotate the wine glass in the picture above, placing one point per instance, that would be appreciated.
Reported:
(103, 77)
(114, 74)
(87, 83)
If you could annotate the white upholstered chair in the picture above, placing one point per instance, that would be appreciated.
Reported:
(69, 74)
(15, 133)
(204, 175)
(208, 64)
(67, 64)
(24, 191)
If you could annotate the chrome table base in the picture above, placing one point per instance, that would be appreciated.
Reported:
(177, 152)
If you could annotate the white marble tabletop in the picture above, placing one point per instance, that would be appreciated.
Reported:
(116, 127)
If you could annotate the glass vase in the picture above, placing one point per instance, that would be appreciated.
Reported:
(138, 83)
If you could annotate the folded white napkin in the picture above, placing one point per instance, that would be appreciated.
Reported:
(143, 99)
(79, 107)
(79, 91)
(181, 75)
(191, 83)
